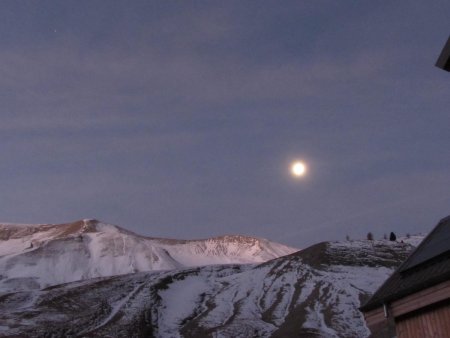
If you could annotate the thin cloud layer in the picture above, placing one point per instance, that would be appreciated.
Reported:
(180, 119)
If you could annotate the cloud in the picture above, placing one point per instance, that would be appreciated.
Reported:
(184, 115)
(57, 83)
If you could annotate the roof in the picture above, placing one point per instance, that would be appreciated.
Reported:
(444, 58)
(428, 265)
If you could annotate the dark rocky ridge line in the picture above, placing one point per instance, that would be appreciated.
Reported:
(315, 292)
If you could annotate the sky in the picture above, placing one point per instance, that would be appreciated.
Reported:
(180, 118)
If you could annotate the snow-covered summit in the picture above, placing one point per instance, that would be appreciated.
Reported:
(35, 256)
(315, 292)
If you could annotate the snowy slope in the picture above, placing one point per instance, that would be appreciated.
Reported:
(36, 256)
(312, 293)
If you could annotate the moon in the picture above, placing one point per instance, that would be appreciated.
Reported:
(298, 169)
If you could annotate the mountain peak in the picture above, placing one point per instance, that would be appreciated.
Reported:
(90, 221)
(312, 293)
(49, 254)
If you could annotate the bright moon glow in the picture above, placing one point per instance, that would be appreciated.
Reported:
(298, 169)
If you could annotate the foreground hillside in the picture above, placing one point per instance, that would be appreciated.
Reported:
(312, 293)
(37, 256)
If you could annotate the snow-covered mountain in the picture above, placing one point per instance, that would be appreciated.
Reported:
(315, 292)
(37, 256)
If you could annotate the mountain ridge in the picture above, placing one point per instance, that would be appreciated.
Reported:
(90, 225)
(37, 256)
(315, 292)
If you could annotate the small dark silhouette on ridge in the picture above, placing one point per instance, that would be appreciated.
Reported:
(392, 237)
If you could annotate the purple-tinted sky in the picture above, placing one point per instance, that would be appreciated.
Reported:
(180, 118)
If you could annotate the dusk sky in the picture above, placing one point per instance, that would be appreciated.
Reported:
(181, 118)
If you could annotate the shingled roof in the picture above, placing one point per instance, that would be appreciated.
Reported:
(428, 265)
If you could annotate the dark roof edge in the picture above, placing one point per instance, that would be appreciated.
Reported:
(423, 243)
(443, 60)
(424, 285)
(370, 305)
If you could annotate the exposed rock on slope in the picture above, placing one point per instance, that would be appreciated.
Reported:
(36, 256)
(312, 293)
